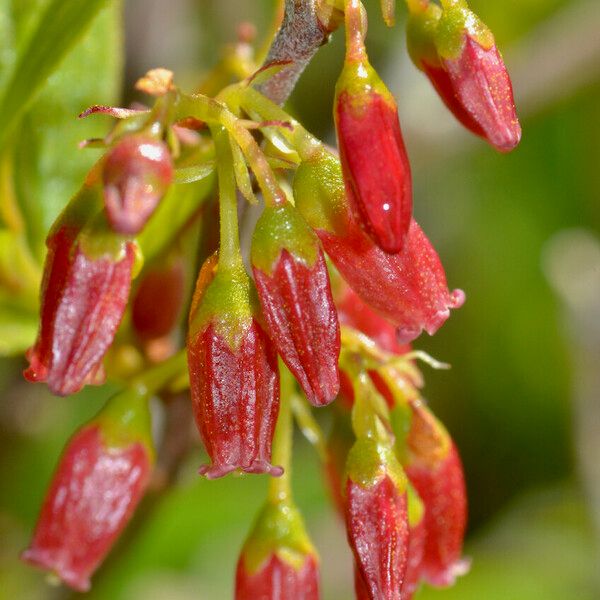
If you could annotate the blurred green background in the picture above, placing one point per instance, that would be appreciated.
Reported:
(519, 233)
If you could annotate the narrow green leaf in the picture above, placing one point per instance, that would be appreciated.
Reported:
(62, 25)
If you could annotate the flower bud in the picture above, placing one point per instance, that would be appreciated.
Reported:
(278, 561)
(409, 288)
(434, 469)
(97, 485)
(295, 294)
(458, 54)
(87, 277)
(377, 518)
(374, 160)
(136, 174)
(234, 378)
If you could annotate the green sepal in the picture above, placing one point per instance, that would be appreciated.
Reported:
(319, 192)
(279, 529)
(97, 240)
(358, 81)
(83, 207)
(416, 508)
(125, 420)
(400, 420)
(421, 28)
(281, 227)
(456, 23)
(370, 460)
(229, 303)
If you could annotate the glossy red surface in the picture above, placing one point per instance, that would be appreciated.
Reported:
(378, 533)
(235, 397)
(83, 301)
(409, 288)
(375, 167)
(302, 322)
(278, 580)
(93, 494)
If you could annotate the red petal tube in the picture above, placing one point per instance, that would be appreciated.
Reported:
(353, 312)
(409, 289)
(443, 492)
(302, 322)
(158, 300)
(136, 175)
(435, 470)
(83, 301)
(375, 166)
(414, 568)
(377, 526)
(482, 85)
(440, 79)
(91, 498)
(278, 580)
(235, 396)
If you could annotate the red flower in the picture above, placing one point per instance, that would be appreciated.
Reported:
(93, 494)
(377, 526)
(293, 286)
(377, 517)
(158, 301)
(234, 376)
(136, 174)
(482, 85)
(278, 560)
(409, 288)
(458, 54)
(353, 312)
(277, 580)
(374, 160)
(435, 470)
(83, 299)
(416, 549)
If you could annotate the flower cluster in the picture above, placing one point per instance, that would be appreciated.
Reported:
(302, 332)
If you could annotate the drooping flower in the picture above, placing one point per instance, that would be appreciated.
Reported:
(377, 518)
(87, 278)
(409, 288)
(294, 290)
(434, 468)
(374, 160)
(234, 378)
(136, 174)
(278, 561)
(458, 54)
(100, 479)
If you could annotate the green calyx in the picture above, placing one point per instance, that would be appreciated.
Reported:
(125, 420)
(279, 529)
(356, 85)
(228, 303)
(281, 227)
(319, 192)
(455, 24)
(416, 508)
(370, 460)
(400, 420)
(421, 28)
(97, 240)
(83, 207)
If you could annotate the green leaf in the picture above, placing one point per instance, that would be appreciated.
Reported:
(63, 23)
(17, 330)
(48, 165)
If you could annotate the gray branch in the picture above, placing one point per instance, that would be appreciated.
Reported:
(297, 41)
